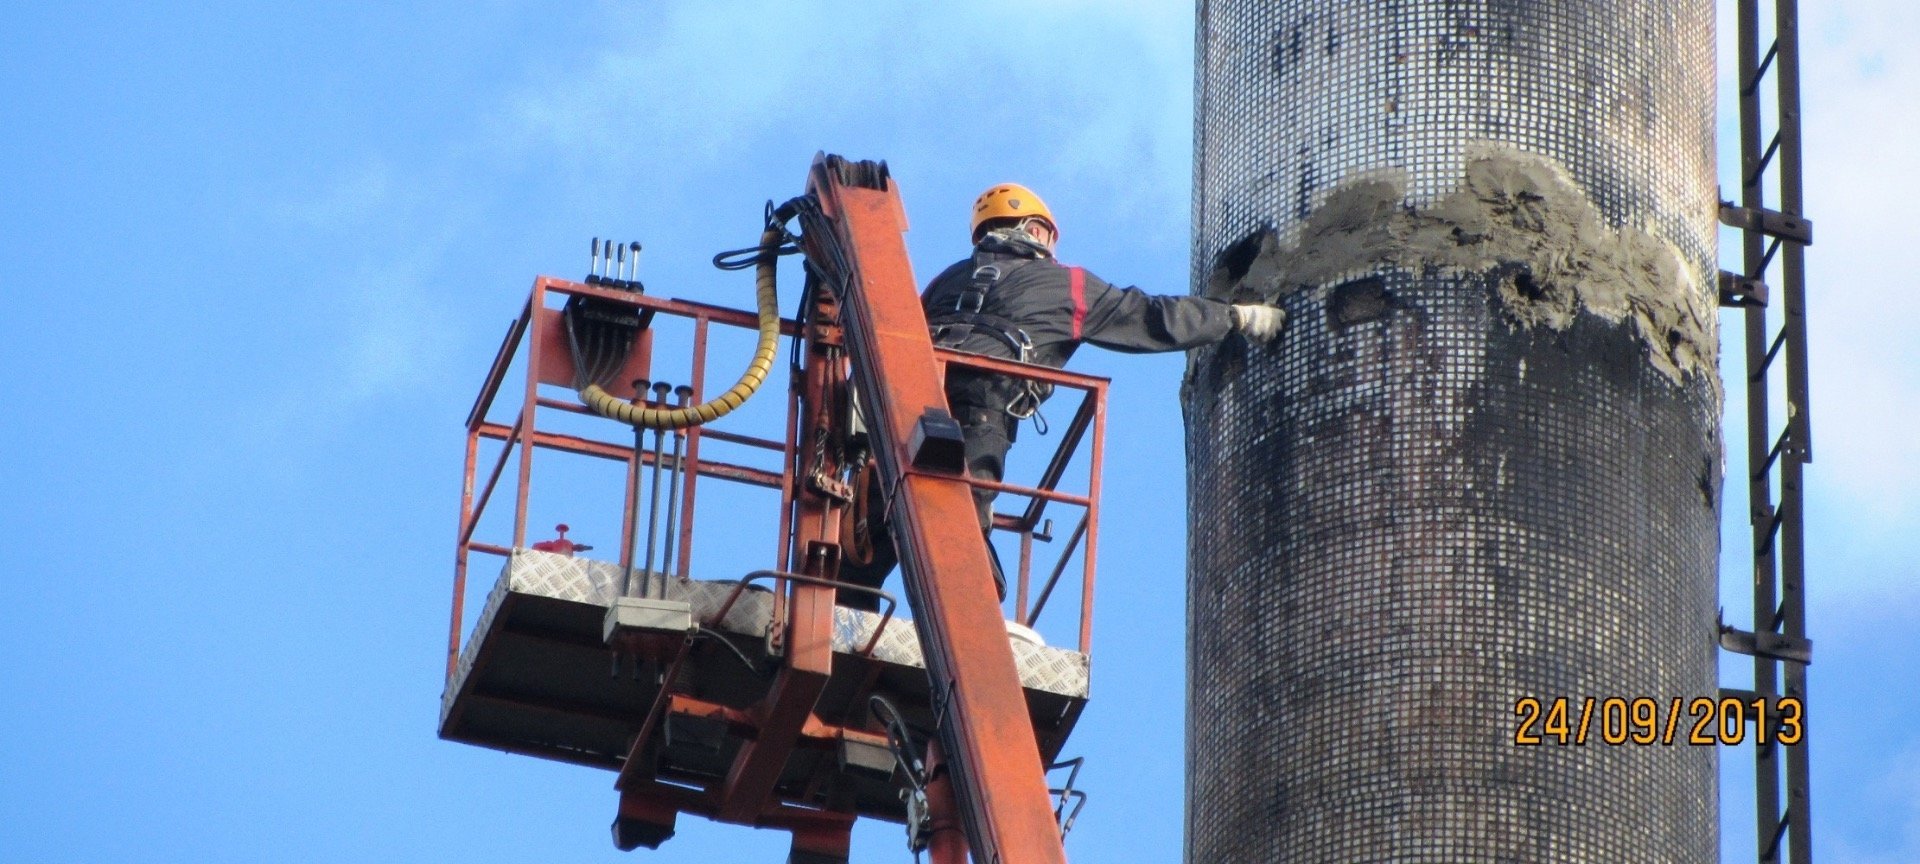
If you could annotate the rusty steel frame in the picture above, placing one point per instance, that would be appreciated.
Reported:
(1778, 641)
(820, 831)
(1015, 822)
(522, 436)
(1089, 414)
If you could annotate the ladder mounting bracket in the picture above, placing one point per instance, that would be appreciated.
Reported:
(1773, 223)
(1773, 646)
(1741, 292)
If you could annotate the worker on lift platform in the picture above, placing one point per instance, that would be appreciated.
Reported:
(1012, 299)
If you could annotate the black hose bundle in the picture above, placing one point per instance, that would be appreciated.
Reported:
(600, 336)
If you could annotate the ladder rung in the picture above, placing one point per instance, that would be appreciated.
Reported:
(1779, 831)
(1766, 158)
(1766, 361)
(1760, 71)
(1773, 530)
(1773, 455)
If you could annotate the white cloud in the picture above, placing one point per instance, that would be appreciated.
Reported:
(370, 247)
(402, 339)
(674, 96)
(354, 196)
(694, 81)
(1099, 92)
(1860, 80)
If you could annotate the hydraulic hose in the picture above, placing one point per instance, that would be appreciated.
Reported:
(768, 307)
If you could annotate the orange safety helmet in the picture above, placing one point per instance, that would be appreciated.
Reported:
(1010, 201)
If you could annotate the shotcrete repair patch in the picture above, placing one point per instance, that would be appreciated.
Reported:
(1517, 217)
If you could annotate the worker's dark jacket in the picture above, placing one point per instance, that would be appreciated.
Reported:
(1039, 296)
(1057, 308)
(1038, 301)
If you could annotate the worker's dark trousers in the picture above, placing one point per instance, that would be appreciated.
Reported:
(989, 433)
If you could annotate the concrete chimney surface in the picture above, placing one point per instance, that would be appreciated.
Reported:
(1482, 463)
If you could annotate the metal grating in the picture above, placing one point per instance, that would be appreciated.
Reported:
(1451, 510)
(537, 678)
(1059, 671)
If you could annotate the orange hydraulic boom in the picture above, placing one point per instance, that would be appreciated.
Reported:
(997, 774)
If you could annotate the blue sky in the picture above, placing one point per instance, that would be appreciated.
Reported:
(257, 258)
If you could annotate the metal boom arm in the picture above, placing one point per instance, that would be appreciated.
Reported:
(993, 760)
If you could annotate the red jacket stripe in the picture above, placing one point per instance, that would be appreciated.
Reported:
(1077, 279)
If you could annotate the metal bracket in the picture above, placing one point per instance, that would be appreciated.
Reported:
(919, 819)
(1063, 815)
(1773, 223)
(1773, 646)
(644, 616)
(859, 755)
(1741, 292)
(830, 487)
(937, 443)
(642, 822)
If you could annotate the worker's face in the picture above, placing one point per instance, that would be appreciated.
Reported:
(1041, 232)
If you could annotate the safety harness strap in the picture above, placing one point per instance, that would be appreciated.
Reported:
(951, 329)
(974, 298)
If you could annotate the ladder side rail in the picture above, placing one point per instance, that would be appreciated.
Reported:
(1792, 613)
(1759, 483)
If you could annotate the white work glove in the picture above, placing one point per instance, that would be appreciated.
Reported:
(1259, 323)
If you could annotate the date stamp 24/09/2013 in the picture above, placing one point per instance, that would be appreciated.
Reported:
(1644, 720)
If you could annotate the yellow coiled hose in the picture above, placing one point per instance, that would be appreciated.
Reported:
(645, 417)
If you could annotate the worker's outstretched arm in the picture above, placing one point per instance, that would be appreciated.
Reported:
(1131, 320)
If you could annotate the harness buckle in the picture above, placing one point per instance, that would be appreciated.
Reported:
(951, 335)
(984, 277)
